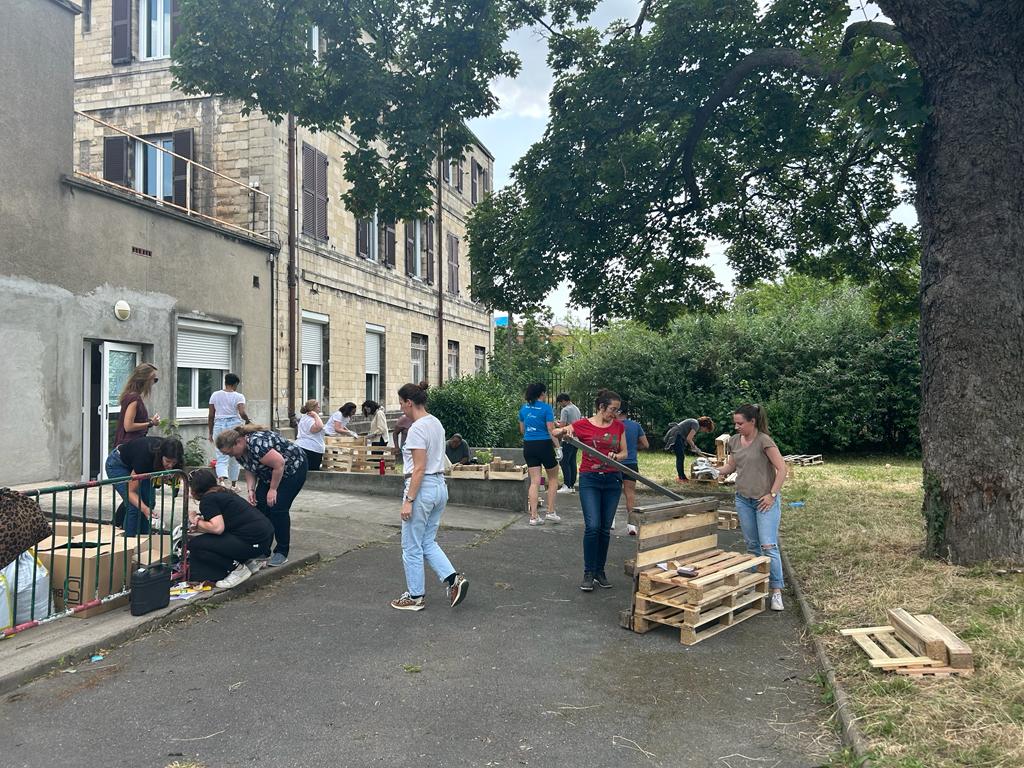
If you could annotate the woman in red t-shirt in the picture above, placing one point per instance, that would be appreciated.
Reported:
(600, 484)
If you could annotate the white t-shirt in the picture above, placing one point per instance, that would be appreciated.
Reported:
(226, 404)
(426, 432)
(335, 417)
(311, 441)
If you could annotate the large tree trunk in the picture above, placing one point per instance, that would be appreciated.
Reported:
(970, 203)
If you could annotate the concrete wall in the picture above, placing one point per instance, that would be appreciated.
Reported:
(70, 250)
(490, 494)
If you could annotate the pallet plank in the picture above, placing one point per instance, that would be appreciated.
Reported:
(921, 639)
(649, 530)
(676, 550)
(959, 652)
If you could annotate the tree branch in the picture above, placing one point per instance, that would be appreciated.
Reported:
(876, 29)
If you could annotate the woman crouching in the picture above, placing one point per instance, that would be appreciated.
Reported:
(236, 536)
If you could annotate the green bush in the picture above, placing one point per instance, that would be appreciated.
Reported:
(481, 408)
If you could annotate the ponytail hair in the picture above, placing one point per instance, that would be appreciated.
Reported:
(755, 413)
(534, 391)
(413, 392)
(604, 398)
(309, 405)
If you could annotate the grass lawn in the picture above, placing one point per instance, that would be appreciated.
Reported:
(856, 546)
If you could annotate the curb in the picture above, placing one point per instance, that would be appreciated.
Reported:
(848, 730)
(169, 615)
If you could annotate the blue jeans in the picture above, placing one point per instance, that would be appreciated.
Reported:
(761, 531)
(599, 496)
(226, 466)
(419, 532)
(135, 522)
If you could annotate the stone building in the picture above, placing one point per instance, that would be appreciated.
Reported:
(95, 279)
(361, 306)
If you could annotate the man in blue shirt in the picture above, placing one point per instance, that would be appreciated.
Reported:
(635, 438)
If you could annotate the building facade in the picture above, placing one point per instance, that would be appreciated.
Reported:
(361, 307)
(94, 279)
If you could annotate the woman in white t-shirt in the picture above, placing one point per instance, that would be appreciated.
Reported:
(310, 434)
(423, 504)
(227, 410)
(338, 423)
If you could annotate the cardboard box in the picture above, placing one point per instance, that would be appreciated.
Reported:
(152, 550)
(72, 528)
(88, 569)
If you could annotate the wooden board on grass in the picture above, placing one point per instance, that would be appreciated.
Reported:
(960, 654)
(922, 639)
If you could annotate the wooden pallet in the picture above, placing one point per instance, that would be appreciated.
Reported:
(728, 520)
(709, 606)
(709, 623)
(516, 474)
(929, 647)
(804, 459)
(470, 471)
(717, 574)
(886, 650)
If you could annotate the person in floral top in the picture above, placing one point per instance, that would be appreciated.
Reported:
(275, 471)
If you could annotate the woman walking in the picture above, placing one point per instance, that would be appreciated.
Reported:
(310, 436)
(140, 457)
(378, 433)
(275, 471)
(600, 484)
(423, 503)
(537, 426)
(227, 410)
(233, 533)
(760, 473)
(133, 422)
(680, 437)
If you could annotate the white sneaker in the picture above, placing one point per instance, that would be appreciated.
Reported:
(631, 529)
(552, 518)
(536, 521)
(564, 489)
(236, 577)
(776, 601)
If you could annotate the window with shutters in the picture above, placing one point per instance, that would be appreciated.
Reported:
(457, 175)
(150, 167)
(453, 264)
(314, 192)
(419, 358)
(203, 356)
(366, 244)
(311, 351)
(374, 348)
(453, 360)
(154, 168)
(480, 359)
(411, 247)
(429, 254)
(154, 29)
(388, 244)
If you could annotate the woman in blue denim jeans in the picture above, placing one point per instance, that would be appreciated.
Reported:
(760, 473)
(600, 485)
(227, 410)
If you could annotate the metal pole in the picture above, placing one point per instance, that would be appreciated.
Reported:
(622, 468)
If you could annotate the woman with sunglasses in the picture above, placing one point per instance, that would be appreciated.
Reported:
(134, 420)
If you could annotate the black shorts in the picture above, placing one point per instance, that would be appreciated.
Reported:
(632, 465)
(539, 453)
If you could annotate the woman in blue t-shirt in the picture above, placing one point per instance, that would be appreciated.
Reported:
(536, 423)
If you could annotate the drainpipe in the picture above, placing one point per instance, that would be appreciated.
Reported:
(292, 268)
(441, 351)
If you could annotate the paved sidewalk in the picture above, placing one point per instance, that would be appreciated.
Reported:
(319, 671)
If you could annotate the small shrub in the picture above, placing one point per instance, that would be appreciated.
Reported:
(480, 408)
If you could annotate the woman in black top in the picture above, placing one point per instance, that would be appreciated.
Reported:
(233, 531)
(140, 457)
(275, 471)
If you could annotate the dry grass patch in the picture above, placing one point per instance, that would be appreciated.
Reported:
(856, 545)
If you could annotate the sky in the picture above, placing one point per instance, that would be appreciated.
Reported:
(523, 114)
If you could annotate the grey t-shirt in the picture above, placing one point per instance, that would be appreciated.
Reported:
(569, 414)
(754, 472)
(679, 432)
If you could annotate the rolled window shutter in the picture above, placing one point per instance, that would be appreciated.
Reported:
(115, 159)
(204, 350)
(312, 338)
(182, 145)
(308, 193)
(121, 32)
(321, 196)
(373, 353)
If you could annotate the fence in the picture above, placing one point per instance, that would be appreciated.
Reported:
(85, 566)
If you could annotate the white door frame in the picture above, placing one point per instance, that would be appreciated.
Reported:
(105, 409)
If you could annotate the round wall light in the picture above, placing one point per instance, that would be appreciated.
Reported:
(122, 310)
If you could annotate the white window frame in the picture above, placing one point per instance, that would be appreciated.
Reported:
(162, 41)
(416, 378)
(165, 141)
(479, 362)
(196, 409)
(458, 359)
(311, 367)
(373, 392)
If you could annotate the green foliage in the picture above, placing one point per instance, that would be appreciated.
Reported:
(524, 353)
(809, 351)
(195, 449)
(480, 408)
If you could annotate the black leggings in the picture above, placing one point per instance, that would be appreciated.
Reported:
(212, 556)
(569, 465)
(313, 459)
(680, 451)
(279, 515)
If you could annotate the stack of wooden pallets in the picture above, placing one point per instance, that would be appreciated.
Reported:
(471, 471)
(803, 459)
(504, 469)
(728, 520)
(719, 589)
(346, 454)
(914, 646)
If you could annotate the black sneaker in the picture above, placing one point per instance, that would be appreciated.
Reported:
(587, 585)
(601, 580)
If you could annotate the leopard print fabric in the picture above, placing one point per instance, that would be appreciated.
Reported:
(22, 525)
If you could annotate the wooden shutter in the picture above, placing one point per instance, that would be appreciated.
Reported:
(308, 190)
(453, 264)
(121, 32)
(321, 196)
(430, 253)
(446, 170)
(474, 173)
(115, 159)
(363, 238)
(410, 248)
(458, 175)
(182, 142)
(388, 251)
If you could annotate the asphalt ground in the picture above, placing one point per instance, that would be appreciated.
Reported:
(317, 670)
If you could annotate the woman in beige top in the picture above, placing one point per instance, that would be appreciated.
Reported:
(760, 473)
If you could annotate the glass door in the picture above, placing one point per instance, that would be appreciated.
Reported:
(118, 362)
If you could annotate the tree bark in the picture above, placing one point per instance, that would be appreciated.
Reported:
(970, 204)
